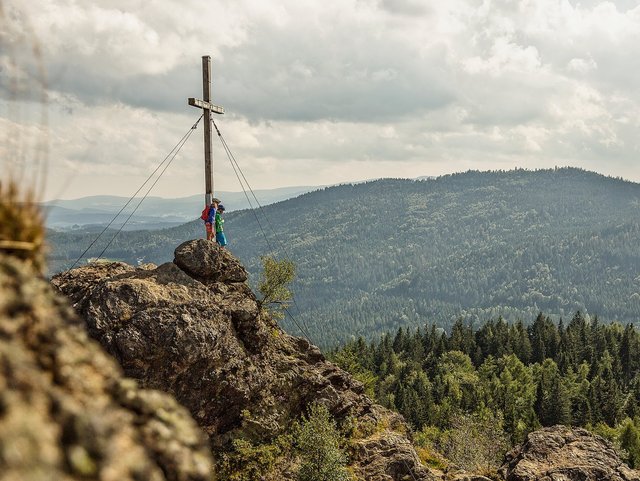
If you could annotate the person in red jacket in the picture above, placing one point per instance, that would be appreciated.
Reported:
(209, 216)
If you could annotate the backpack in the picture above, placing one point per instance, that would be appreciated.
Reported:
(205, 213)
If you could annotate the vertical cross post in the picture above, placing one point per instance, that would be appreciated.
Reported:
(208, 151)
(206, 105)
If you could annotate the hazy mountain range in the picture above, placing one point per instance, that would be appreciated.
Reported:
(154, 212)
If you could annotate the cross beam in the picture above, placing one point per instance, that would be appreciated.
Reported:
(206, 105)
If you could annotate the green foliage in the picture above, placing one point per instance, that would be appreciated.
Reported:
(630, 442)
(274, 284)
(611, 434)
(553, 405)
(249, 461)
(359, 429)
(426, 442)
(430, 378)
(486, 452)
(625, 438)
(354, 359)
(508, 387)
(319, 442)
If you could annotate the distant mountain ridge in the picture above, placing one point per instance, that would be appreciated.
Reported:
(378, 255)
(154, 212)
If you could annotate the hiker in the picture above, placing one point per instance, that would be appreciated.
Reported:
(219, 225)
(208, 216)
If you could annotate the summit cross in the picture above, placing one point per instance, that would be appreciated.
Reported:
(208, 108)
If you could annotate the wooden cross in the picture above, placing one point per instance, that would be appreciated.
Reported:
(208, 108)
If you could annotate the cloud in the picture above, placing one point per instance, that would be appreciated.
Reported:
(581, 65)
(315, 90)
(282, 65)
(405, 7)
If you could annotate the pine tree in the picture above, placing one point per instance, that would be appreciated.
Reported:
(630, 442)
(414, 348)
(544, 339)
(547, 376)
(434, 390)
(629, 353)
(318, 442)
(522, 344)
(580, 405)
(502, 340)
(632, 402)
(461, 338)
(399, 341)
(561, 407)
(605, 395)
(578, 339)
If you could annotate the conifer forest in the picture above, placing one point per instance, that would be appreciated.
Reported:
(506, 380)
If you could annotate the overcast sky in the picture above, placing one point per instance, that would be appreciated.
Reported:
(318, 92)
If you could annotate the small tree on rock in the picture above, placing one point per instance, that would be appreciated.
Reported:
(274, 284)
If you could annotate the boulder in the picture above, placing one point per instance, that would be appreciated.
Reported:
(560, 453)
(208, 262)
(388, 456)
(66, 410)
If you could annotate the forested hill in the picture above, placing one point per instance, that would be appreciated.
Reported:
(375, 256)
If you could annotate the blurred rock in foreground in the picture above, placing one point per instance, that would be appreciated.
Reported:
(67, 412)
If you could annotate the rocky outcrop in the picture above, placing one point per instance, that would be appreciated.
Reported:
(560, 453)
(388, 455)
(193, 328)
(67, 412)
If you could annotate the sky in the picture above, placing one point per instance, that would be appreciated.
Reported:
(315, 92)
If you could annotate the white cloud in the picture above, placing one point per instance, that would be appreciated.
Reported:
(505, 56)
(317, 90)
(581, 65)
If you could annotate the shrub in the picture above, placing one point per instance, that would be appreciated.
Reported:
(274, 284)
(319, 443)
(475, 443)
(248, 461)
(21, 225)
